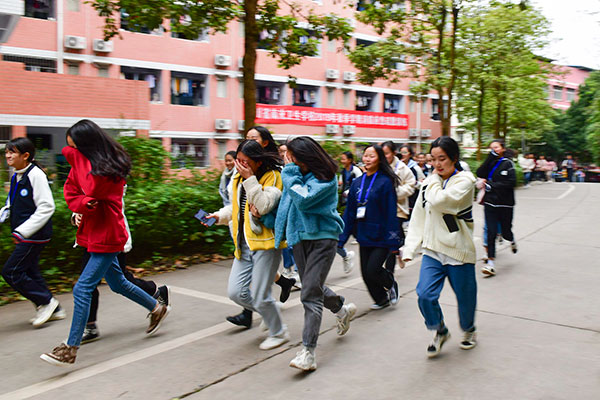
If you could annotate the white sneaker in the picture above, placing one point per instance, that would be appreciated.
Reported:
(343, 323)
(349, 262)
(275, 341)
(304, 360)
(45, 313)
(488, 271)
(436, 344)
(469, 340)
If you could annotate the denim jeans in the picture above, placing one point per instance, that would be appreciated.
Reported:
(22, 272)
(259, 269)
(288, 258)
(485, 232)
(101, 265)
(431, 282)
(341, 251)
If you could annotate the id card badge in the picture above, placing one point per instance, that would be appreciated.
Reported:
(4, 213)
(361, 212)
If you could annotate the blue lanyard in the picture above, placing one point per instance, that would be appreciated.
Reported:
(494, 169)
(362, 185)
(13, 188)
(445, 183)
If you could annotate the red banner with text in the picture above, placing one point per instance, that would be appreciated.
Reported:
(274, 114)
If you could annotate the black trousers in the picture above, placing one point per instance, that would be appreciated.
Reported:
(378, 279)
(22, 272)
(493, 216)
(147, 286)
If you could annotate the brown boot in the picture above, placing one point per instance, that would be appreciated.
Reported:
(62, 356)
(156, 318)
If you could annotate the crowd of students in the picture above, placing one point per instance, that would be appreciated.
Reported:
(279, 202)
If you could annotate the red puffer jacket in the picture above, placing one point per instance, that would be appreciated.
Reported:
(102, 229)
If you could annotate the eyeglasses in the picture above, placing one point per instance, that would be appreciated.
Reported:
(404, 153)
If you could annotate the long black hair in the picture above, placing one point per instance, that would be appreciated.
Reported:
(383, 165)
(487, 164)
(107, 156)
(409, 148)
(390, 145)
(266, 136)
(270, 161)
(24, 145)
(349, 156)
(450, 147)
(307, 151)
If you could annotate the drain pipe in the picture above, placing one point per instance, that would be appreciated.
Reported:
(60, 36)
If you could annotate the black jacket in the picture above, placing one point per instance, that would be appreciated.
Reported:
(500, 189)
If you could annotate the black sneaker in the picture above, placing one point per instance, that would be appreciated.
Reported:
(394, 294)
(243, 319)
(164, 295)
(90, 334)
(286, 287)
(513, 247)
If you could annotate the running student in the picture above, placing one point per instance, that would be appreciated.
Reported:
(498, 179)
(262, 136)
(404, 190)
(442, 224)
(308, 219)
(29, 206)
(348, 174)
(256, 190)
(371, 216)
(94, 188)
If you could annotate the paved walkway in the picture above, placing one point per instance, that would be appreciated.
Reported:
(538, 322)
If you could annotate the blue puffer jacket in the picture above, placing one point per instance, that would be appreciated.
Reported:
(307, 209)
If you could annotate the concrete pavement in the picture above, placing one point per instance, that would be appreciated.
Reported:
(538, 323)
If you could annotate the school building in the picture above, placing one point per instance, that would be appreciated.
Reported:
(187, 92)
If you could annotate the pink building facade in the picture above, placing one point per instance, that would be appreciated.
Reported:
(192, 88)
(564, 89)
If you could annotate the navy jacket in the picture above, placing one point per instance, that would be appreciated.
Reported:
(22, 208)
(379, 227)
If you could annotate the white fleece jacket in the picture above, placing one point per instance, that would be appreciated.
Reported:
(406, 188)
(427, 227)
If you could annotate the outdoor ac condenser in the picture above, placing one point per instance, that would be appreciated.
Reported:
(348, 129)
(222, 124)
(75, 42)
(332, 128)
(102, 46)
(221, 60)
(332, 73)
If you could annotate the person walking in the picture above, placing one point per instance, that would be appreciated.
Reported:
(262, 136)
(404, 190)
(371, 215)
(256, 190)
(348, 174)
(94, 188)
(442, 224)
(226, 176)
(569, 165)
(425, 167)
(527, 165)
(406, 154)
(498, 179)
(29, 208)
(308, 220)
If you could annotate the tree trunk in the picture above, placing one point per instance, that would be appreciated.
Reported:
(480, 117)
(447, 124)
(497, 123)
(250, 44)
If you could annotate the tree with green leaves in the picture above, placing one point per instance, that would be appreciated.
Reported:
(285, 24)
(420, 34)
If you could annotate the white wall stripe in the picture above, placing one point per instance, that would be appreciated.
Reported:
(67, 121)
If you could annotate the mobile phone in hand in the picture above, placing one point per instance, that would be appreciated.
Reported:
(202, 216)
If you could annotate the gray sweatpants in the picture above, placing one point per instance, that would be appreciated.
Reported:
(313, 259)
(259, 269)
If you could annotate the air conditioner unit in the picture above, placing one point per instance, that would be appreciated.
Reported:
(349, 129)
(75, 42)
(222, 124)
(425, 132)
(349, 76)
(332, 128)
(241, 125)
(332, 73)
(102, 46)
(241, 62)
(222, 60)
(413, 132)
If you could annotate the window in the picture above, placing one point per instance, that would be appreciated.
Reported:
(570, 94)
(547, 92)
(103, 72)
(263, 39)
(151, 76)
(365, 101)
(185, 20)
(269, 92)
(332, 46)
(305, 96)
(310, 35)
(435, 109)
(42, 9)
(557, 92)
(424, 103)
(221, 86)
(411, 105)
(133, 27)
(189, 153)
(33, 64)
(73, 69)
(73, 5)
(393, 104)
(188, 89)
(330, 96)
(364, 43)
(346, 98)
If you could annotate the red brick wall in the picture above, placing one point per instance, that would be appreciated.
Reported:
(41, 93)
